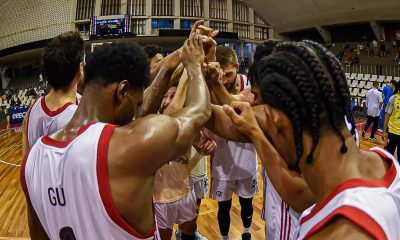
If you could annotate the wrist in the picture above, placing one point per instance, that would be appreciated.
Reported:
(193, 67)
(255, 133)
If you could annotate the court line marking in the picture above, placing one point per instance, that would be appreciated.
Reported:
(11, 164)
(8, 149)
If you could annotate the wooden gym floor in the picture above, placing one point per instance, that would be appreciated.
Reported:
(13, 217)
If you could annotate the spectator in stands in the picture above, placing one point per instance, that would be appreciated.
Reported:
(376, 49)
(374, 102)
(398, 38)
(397, 55)
(391, 129)
(383, 48)
(340, 54)
(387, 93)
(350, 59)
(356, 60)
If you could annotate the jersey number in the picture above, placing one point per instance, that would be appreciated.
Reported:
(66, 233)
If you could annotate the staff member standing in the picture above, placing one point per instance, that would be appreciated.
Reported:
(374, 102)
(391, 136)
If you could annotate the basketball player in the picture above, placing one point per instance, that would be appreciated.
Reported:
(281, 220)
(93, 180)
(63, 64)
(173, 184)
(305, 100)
(233, 165)
(174, 199)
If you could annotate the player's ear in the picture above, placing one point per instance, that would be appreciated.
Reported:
(122, 90)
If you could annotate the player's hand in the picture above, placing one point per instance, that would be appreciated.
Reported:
(213, 73)
(210, 48)
(385, 137)
(243, 117)
(193, 52)
(208, 148)
(206, 145)
(203, 30)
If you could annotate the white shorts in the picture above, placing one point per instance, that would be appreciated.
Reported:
(183, 210)
(222, 190)
(200, 186)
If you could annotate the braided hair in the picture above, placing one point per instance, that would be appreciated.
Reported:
(307, 83)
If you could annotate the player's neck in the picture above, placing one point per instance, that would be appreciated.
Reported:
(58, 98)
(94, 106)
(330, 167)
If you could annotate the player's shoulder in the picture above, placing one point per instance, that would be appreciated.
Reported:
(341, 228)
(153, 126)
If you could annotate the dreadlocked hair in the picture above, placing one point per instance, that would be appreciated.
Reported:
(340, 84)
(300, 79)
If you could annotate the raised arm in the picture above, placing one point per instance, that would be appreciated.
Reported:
(165, 138)
(154, 94)
(289, 184)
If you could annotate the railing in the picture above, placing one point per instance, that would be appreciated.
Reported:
(373, 69)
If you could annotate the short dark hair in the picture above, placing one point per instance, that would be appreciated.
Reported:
(115, 62)
(152, 50)
(226, 55)
(61, 59)
(393, 82)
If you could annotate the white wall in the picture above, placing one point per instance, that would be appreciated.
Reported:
(25, 21)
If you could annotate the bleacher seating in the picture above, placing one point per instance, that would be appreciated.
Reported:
(26, 101)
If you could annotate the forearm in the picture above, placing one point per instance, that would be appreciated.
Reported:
(154, 94)
(194, 160)
(173, 58)
(290, 185)
(386, 122)
(221, 125)
(197, 97)
(221, 94)
(165, 76)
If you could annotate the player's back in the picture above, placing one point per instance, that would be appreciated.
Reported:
(41, 120)
(68, 186)
(373, 205)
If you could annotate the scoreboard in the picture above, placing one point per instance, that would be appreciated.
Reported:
(109, 28)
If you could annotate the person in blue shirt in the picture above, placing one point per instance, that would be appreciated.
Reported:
(387, 93)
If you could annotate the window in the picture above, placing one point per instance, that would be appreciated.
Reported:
(139, 26)
(242, 30)
(258, 20)
(218, 9)
(110, 7)
(84, 9)
(192, 8)
(186, 24)
(260, 33)
(163, 7)
(221, 26)
(240, 11)
(162, 23)
(137, 7)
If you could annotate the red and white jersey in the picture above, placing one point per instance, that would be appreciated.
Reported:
(233, 160)
(373, 205)
(281, 222)
(67, 184)
(42, 121)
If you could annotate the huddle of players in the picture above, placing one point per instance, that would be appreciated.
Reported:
(312, 164)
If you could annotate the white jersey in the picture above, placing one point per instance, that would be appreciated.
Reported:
(70, 192)
(233, 160)
(42, 121)
(373, 205)
(281, 221)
